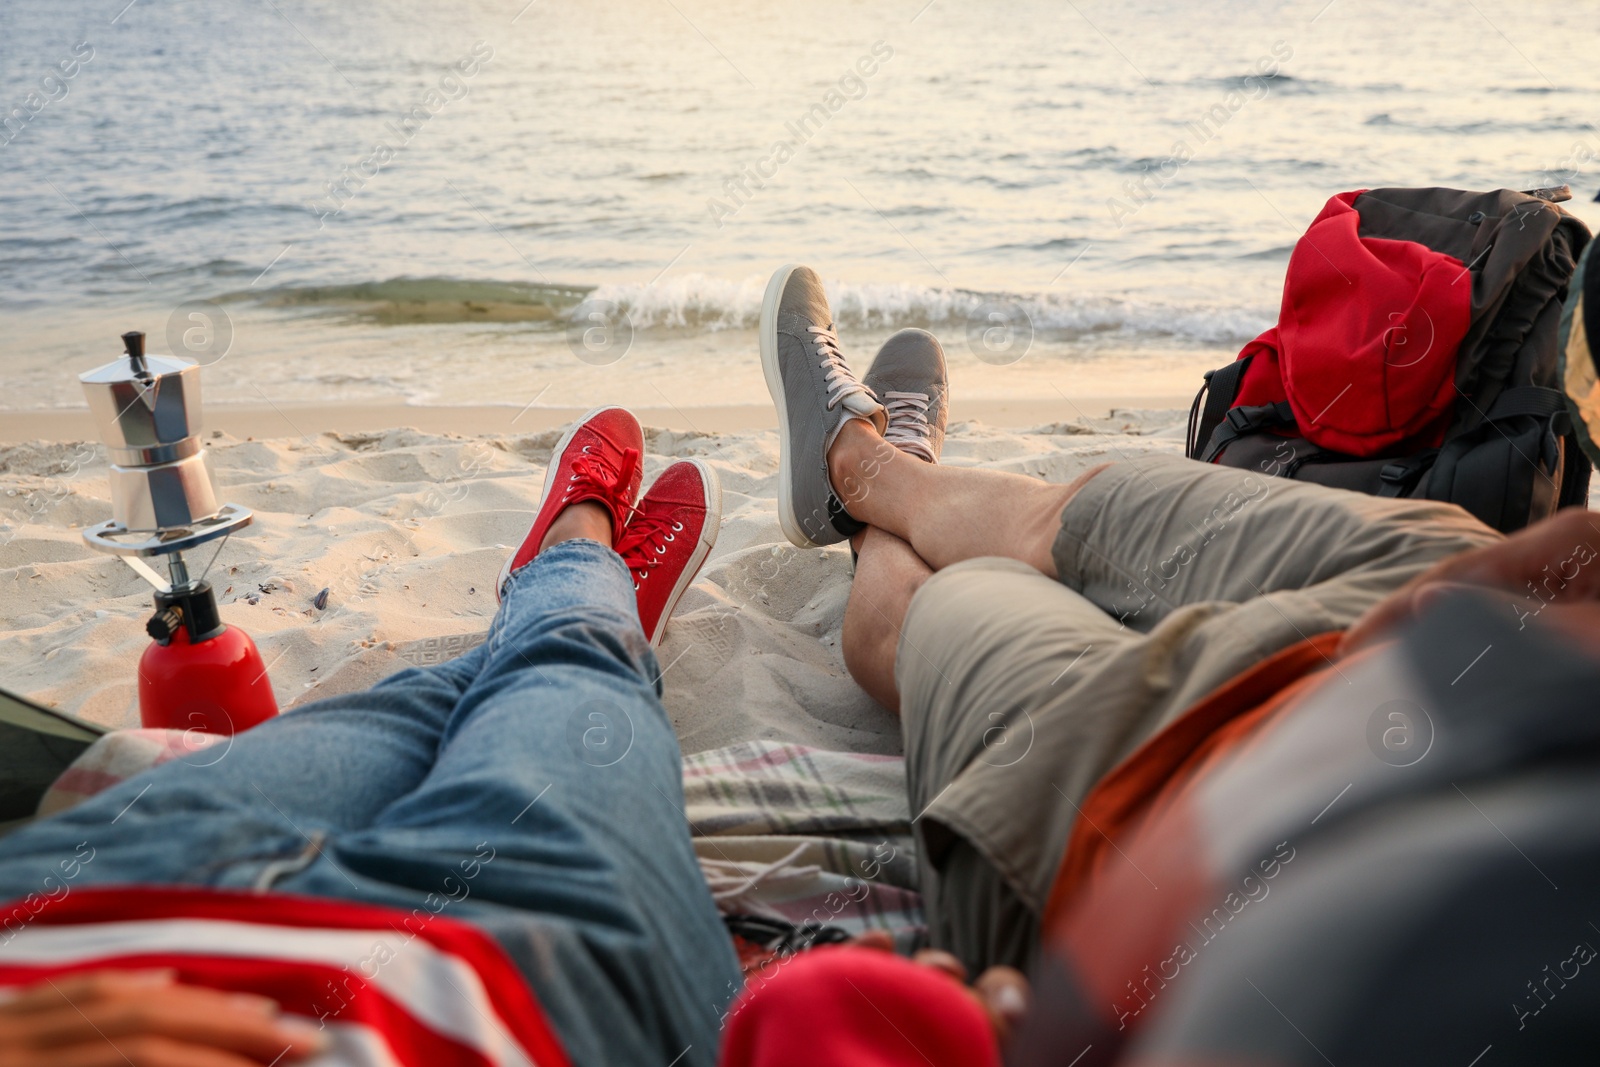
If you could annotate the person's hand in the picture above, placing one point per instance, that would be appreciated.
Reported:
(1002, 992)
(146, 1019)
(1554, 561)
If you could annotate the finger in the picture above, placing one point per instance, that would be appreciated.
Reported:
(1006, 990)
(1550, 560)
(52, 993)
(243, 1024)
(877, 940)
(147, 1051)
(1380, 622)
(1005, 995)
(941, 960)
(244, 1032)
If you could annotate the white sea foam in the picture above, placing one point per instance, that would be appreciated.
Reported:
(703, 302)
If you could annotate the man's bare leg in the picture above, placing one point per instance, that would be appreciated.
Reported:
(888, 575)
(916, 507)
(948, 514)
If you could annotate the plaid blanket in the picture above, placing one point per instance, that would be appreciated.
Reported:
(804, 835)
(120, 755)
(783, 831)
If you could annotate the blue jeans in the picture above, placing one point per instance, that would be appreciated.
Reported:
(548, 744)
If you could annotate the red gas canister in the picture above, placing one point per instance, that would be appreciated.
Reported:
(201, 674)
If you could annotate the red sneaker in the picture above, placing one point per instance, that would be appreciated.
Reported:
(597, 459)
(669, 537)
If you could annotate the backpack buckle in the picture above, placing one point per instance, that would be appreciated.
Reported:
(1401, 477)
(1250, 419)
(1395, 473)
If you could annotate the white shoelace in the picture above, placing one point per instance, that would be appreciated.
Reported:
(908, 423)
(838, 377)
(733, 881)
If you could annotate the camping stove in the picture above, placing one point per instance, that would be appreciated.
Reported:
(199, 673)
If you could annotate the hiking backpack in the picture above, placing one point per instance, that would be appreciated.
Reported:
(1415, 355)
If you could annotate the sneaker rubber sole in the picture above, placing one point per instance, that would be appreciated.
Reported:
(708, 538)
(788, 521)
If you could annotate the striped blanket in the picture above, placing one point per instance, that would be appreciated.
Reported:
(804, 835)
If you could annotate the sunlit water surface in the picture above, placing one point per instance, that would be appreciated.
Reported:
(408, 200)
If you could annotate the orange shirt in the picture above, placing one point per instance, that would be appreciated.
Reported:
(1165, 765)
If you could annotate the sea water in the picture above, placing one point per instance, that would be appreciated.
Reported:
(466, 202)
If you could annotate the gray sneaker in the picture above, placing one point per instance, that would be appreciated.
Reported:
(816, 394)
(908, 377)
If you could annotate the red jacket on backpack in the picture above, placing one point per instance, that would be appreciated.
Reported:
(1365, 347)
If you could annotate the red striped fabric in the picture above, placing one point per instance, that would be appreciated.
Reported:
(392, 987)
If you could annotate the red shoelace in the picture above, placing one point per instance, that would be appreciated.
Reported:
(644, 546)
(597, 476)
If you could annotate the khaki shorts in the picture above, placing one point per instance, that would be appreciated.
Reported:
(1019, 692)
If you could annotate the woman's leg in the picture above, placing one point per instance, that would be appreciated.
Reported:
(553, 819)
(227, 813)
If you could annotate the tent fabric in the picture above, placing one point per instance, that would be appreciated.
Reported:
(36, 744)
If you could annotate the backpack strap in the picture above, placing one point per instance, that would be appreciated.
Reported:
(1534, 400)
(1555, 194)
(1191, 443)
(1247, 420)
(1399, 477)
(1220, 389)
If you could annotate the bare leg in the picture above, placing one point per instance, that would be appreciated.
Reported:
(947, 514)
(888, 575)
(586, 519)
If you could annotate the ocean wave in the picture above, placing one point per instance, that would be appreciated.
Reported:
(1276, 83)
(701, 302)
(705, 303)
(1477, 127)
(400, 301)
(1055, 244)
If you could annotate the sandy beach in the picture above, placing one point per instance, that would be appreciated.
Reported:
(270, 420)
(406, 526)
